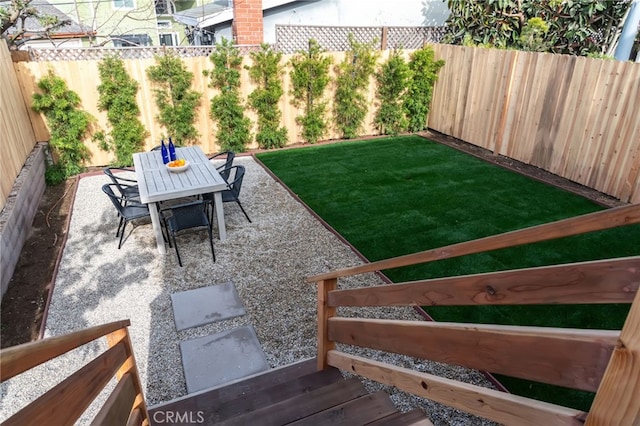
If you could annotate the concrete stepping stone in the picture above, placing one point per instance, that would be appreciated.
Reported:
(205, 305)
(222, 357)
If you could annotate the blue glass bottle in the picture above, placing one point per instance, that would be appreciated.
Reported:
(172, 150)
(165, 152)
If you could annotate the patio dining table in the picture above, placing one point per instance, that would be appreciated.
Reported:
(156, 183)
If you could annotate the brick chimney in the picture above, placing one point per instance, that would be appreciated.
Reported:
(247, 22)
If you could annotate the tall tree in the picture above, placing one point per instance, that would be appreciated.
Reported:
(577, 27)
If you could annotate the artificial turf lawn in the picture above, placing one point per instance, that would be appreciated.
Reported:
(393, 196)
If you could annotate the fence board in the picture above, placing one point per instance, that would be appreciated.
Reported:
(17, 138)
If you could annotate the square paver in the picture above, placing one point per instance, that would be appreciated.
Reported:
(222, 357)
(204, 305)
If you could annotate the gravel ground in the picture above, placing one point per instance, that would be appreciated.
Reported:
(267, 260)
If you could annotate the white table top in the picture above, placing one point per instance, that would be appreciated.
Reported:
(157, 183)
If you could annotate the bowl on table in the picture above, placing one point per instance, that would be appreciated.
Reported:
(179, 165)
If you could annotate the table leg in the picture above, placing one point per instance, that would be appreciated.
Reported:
(217, 199)
(157, 226)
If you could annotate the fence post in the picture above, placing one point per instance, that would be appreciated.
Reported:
(505, 104)
(131, 367)
(383, 39)
(324, 313)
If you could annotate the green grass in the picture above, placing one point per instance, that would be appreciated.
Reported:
(395, 196)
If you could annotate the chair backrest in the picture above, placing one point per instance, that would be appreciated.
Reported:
(189, 215)
(121, 182)
(229, 162)
(224, 169)
(117, 201)
(234, 186)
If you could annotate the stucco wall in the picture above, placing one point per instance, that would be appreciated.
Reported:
(17, 215)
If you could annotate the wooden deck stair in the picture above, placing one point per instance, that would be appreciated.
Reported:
(296, 394)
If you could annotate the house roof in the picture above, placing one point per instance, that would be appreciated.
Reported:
(215, 13)
(32, 25)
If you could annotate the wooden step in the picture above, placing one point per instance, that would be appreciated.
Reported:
(302, 405)
(359, 411)
(296, 394)
(207, 398)
(257, 405)
(410, 418)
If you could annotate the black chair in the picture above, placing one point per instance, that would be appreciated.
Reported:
(127, 187)
(128, 209)
(224, 168)
(232, 194)
(186, 216)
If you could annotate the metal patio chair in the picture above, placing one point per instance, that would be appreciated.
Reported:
(232, 194)
(127, 186)
(224, 168)
(128, 209)
(186, 216)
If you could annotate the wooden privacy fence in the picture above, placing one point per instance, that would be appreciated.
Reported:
(30, 72)
(576, 117)
(16, 135)
(603, 361)
(65, 403)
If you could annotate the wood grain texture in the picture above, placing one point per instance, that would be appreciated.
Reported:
(325, 312)
(360, 411)
(565, 357)
(65, 402)
(17, 359)
(129, 366)
(301, 405)
(617, 401)
(117, 409)
(605, 219)
(603, 281)
(17, 134)
(498, 406)
(136, 419)
(414, 417)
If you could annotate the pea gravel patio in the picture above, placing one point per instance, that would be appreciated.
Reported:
(267, 260)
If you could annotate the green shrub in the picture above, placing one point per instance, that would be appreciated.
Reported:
(227, 111)
(68, 125)
(309, 79)
(265, 72)
(424, 73)
(352, 80)
(175, 99)
(393, 80)
(118, 98)
(532, 36)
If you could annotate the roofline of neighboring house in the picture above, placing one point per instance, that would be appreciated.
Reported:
(222, 16)
(29, 35)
